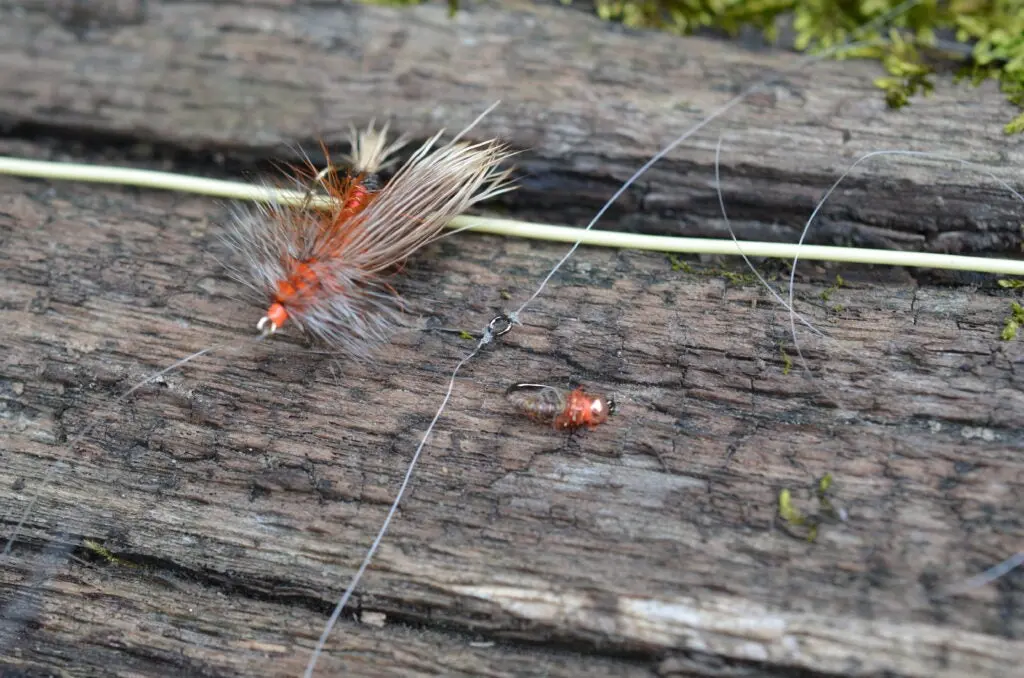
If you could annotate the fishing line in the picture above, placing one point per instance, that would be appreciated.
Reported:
(928, 155)
(336, 289)
(988, 576)
(1009, 564)
(750, 265)
(514, 318)
(789, 306)
(44, 483)
(489, 334)
(1014, 561)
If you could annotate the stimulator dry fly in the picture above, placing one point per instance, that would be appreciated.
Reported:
(327, 271)
(561, 408)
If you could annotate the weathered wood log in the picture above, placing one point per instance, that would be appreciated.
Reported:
(589, 103)
(262, 475)
(234, 499)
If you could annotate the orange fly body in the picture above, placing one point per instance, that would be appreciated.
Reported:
(561, 408)
(327, 271)
(351, 193)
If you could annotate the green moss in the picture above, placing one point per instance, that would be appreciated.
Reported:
(988, 35)
(795, 520)
(104, 554)
(1011, 284)
(732, 277)
(739, 279)
(787, 362)
(679, 265)
(826, 508)
(1013, 322)
(786, 510)
(807, 526)
(987, 44)
(453, 5)
(827, 293)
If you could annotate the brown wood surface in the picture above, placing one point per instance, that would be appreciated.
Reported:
(238, 495)
(589, 103)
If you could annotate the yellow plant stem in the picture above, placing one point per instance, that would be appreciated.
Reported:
(520, 229)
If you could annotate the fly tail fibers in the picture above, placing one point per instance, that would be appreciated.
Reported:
(371, 153)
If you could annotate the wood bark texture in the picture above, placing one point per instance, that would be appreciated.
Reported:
(206, 525)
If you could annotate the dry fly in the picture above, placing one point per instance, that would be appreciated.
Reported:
(327, 271)
(561, 408)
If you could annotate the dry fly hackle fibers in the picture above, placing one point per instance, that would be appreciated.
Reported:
(328, 271)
